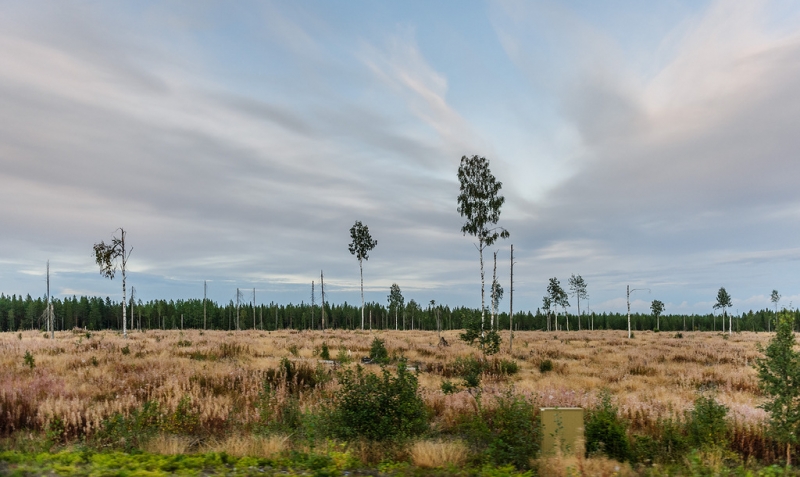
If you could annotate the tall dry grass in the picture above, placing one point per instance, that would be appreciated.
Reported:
(79, 382)
(438, 453)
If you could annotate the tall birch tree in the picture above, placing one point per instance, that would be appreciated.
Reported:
(479, 201)
(361, 245)
(109, 257)
(396, 301)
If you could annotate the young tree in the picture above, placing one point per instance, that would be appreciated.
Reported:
(724, 302)
(396, 301)
(360, 247)
(479, 201)
(577, 288)
(774, 298)
(779, 380)
(657, 307)
(558, 297)
(109, 257)
(413, 307)
(546, 304)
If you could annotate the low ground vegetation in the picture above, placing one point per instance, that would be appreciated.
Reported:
(659, 404)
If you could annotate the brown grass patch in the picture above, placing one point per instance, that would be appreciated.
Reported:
(168, 444)
(249, 445)
(438, 453)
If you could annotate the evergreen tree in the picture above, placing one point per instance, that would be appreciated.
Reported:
(779, 380)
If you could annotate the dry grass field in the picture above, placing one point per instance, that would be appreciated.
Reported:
(79, 380)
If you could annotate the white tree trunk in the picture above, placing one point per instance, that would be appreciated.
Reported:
(483, 300)
(361, 269)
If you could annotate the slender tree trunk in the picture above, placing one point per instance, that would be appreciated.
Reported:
(361, 269)
(730, 323)
(511, 305)
(578, 297)
(322, 295)
(788, 455)
(124, 297)
(629, 311)
(483, 300)
(205, 292)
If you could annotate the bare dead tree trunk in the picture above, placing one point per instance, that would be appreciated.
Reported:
(322, 292)
(511, 305)
(312, 304)
(124, 297)
(254, 308)
(205, 293)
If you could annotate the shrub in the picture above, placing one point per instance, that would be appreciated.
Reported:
(126, 350)
(325, 353)
(448, 387)
(296, 378)
(545, 366)
(507, 434)
(605, 431)
(343, 357)
(508, 367)
(29, 360)
(294, 351)
(670, 446)
(470, 370)
(707, 424)
(281, 415)
(378, 408)
(378, 353)
(131, 432)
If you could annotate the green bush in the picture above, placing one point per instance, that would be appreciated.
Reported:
(470, 370)
(343, 357)
(325, 353)
(606, 432)
(378, 408)
(707, 424)
(129, 432)
(378, 353)
(507, 434)
(295, 377)
(508, 367)
(545, 366)
(448, 387)
(29, 360)
(670, 446)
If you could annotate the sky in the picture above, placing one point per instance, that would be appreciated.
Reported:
(644, 144)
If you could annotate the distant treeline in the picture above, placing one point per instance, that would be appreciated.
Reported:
(95, 313)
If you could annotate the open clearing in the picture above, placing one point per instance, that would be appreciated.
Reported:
(80, 379)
